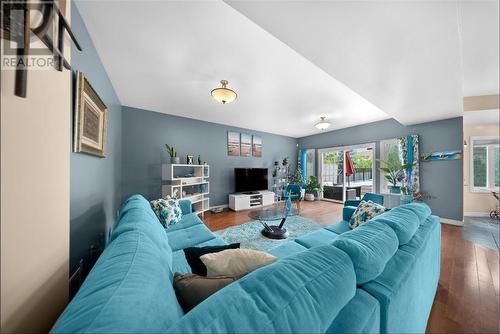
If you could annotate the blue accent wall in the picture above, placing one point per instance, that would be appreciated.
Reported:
(95, 193)
(441, 179)
(145, 134)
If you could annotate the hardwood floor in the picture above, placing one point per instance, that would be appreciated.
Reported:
(467, 300)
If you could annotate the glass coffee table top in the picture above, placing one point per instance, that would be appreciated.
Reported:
(278, 212)
(272, 213)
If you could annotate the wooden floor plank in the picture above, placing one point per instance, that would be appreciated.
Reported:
(467, 299)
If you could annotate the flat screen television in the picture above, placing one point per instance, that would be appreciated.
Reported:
(250, 179)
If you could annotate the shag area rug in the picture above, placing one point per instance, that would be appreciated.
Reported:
(249, 236)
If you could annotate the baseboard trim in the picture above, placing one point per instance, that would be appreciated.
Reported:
(220, 206)
(476, 214)
(452, 222)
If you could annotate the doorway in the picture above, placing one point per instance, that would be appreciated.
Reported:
(346, 172)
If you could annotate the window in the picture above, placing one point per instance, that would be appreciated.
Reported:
(389, 152)
(485, 164)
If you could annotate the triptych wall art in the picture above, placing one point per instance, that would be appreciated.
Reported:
(244, 144)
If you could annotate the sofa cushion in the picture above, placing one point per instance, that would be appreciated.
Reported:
(302, 293)
(317, 238)
(340, 227)
(422, 210)
(287, 249)
(233, 262)
(212, 242)
(369, 246)
(364, 212)
(192, 289)
(135, 201)
(168, 211)
(186, 206)
(136, 215)
(403, 221)
(189, 237)
(186, 221)
(128, 290)
(422, 235)
(360, 315)
(193, 255)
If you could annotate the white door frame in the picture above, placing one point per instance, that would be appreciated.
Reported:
(344, 148)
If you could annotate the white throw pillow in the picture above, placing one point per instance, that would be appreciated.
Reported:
(232, 262)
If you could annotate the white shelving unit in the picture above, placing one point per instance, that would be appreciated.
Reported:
(184, 181)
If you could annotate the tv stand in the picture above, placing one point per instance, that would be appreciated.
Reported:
(245, 201)
(250, 193)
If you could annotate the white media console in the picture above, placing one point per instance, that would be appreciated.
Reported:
(241, 201)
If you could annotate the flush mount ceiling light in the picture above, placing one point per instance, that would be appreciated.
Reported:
(224, 95)
(322, 124)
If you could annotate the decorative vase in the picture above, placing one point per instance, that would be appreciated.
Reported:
(394, 190)
(175, 160)
(309, 197)
(406, 199)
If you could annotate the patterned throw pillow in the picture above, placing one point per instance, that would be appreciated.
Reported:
(168, 211)
(364, 212)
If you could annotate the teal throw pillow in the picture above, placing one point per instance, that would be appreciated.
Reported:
(168, 211)
(364, 212)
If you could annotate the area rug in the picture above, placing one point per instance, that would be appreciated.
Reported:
(249, 236)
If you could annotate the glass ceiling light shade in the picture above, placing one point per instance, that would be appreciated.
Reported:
(322, 124)
(224, 95)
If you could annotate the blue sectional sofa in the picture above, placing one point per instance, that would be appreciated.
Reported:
(379, 277)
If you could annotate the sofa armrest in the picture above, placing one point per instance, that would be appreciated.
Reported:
(347, 212)
(352, 202)
(185, 205)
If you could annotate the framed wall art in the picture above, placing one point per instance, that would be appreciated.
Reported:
(233, 143)
(91, 119)
(257, 146)
(246, 145)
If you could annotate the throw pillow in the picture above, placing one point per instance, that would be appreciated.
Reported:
(232, 262)
(168, 211)
(193, 256)
(192, 289)
(364, 212)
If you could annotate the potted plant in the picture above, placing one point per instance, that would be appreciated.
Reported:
(394, 173)
(173, 154)
(406, 191)
(312, 189)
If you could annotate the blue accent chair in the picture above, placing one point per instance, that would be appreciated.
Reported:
(375, 198)
(294, 192)
(349, 208)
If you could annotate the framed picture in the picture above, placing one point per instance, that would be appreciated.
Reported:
(444, 155)
(233, 143)
(91, 119)
(257, 146)
(246, 145)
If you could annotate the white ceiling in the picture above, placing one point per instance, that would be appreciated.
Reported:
(175, 53)
(402, 56)
(293, 61)
(480, 40)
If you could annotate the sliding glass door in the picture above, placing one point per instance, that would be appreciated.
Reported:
(332, 174)
(346, 172)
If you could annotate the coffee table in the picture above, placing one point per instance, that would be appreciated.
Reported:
(274, 213)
